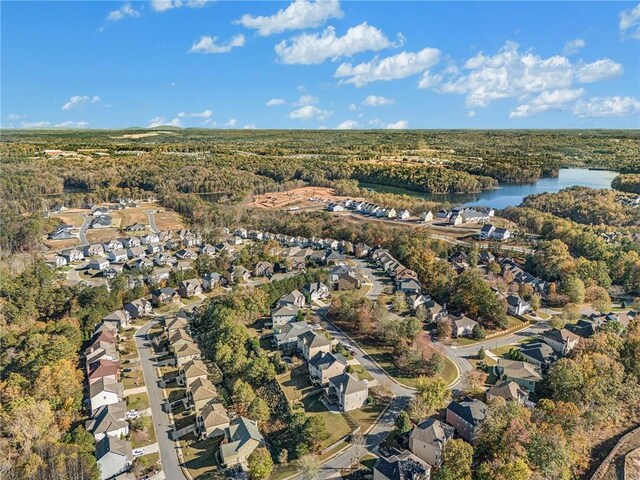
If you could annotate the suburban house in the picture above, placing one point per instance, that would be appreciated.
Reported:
(62, 232)
(93, 249)
(517, 306)
(213, 421)
(347, 391)
(428, 439)
(149, 238)
(461, 325)
(316, 291)
(409, 285)
(562, 341)
(139, 308)
(109, 420)
(426, 216)
(243, 437)
(286, 336)
(538, 353)
(403, 215)
(98, 263)
(72, 255)
(136, 227)
(486, 232)
(283, 314)
(465, 416)
(347, 281)
(199, 393)
(311, 343)
(211, 280)
(263, 269)
(118, 255)
(130, 242)
(294, 298)
(486, 257)
(525, 374)
(324, 366)
(136, 252)
(154, 247)
(104, 368)
(501, 234)
(190, 288)
(191, 371)
(103, 221)
(404, 466)
(187, 254)
(508, 390)
(114, 456)
(185, 352)
(105, 391)
(112, 245)
(164, 296)
(56, 261)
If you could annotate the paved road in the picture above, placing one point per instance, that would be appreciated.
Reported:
(152, 221)
(83, 230)
(162, 424)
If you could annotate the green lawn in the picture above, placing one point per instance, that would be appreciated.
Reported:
(281, 472)
(200, 458)
(336, 425)
(133, 379)
(142, 438)
(146, 465)
(367, 415)
(384, 358)
(295, 383)
(360, 372)
(139, 401)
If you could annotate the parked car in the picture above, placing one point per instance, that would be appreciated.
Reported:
(138, 452)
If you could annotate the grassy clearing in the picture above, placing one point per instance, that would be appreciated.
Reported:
(144, 437)
(281, 472)
(200, 458)
(133, 379)
(295, 383)
(360, 372)
(98, 235)
(138, 401)
(336, 425)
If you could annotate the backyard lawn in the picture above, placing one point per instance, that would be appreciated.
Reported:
(138, 401)
(200, 458)
(336, 424)
(295, 383)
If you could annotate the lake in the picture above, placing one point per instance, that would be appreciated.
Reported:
(512, 194)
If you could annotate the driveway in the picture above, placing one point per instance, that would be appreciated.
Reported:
(152, 221)
(82, 234)
(166, 446)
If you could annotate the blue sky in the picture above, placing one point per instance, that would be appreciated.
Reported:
(326, 64)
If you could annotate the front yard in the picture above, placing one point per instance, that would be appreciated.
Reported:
(138, 401)
(146, 436)
(336, 424)
(200, 458)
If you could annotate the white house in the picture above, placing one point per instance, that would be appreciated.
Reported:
(403, 215)
(98, 264)
(118, 256)
(347, 391)
(114, 456)
(105, 391)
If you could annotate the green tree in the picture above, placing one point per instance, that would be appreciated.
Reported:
(260, 464)
(258, 410)
(457, 460)
(403, 423)
(574, 289)
(309, 467)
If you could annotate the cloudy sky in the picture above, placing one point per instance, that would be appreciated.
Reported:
(320, 64)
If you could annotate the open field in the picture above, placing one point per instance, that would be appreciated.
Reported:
(129, 216)
(71, 217)
(98, 235)
(62, 244)
(168, 220)
(303, 197)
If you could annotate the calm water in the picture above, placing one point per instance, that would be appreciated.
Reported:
(511, 195)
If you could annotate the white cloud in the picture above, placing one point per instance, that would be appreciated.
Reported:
(377, 101)
(603, 69)
(35, 124)
(397, 66)
(125, 11)
(298, 15)
(348, 125)
(306, 100)
(608, 107)
(510, 73)
(232, 122)
(70, 124)
(164, 5)
(375, 122)
(630, 22)
(308, 112)
(399, 125)
(208, 44)
(353, 107)
(471, 113)
(275, 102)
(15, 116)
(546, 101)
(573, 46)
(78, 101)
(312, 48)
(428, 80)
(204, 114)
(160, 122)
(250, 126)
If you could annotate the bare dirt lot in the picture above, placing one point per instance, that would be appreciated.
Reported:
(305, 197)
(62, 244)
(71, 217)
(168, 220)
(99, 235)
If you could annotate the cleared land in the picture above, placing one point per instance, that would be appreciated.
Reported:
(304, 197)
(168, 220)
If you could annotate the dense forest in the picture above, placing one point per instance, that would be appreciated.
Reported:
(588, 206)
(627, 183)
